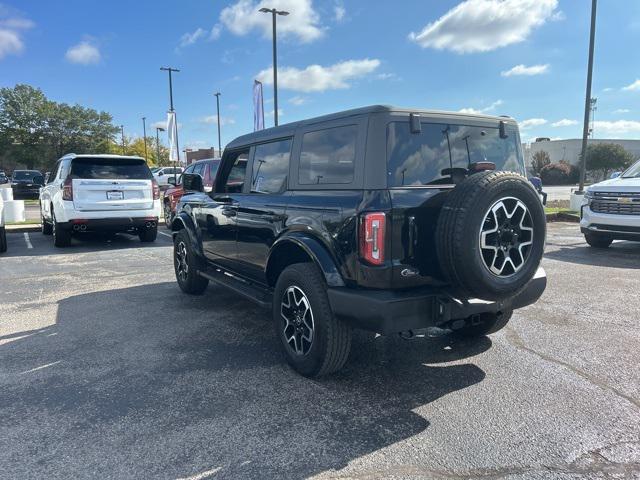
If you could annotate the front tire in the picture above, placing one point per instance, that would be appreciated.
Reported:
(486, 324)
(186, 264)
(168, 215)
(314, 341)
(598, 241)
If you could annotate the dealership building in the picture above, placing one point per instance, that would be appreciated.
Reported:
(569, 150)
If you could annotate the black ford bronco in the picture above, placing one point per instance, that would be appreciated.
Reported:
(380, 218)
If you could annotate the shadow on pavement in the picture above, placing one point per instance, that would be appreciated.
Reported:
(619, 255)
(81, 243)
(148, 382)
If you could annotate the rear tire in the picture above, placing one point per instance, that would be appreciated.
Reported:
(148, 235)
(314, 341)
(186, 264)
(489, 323)
(3, 240)
(598, 241)
(46, 227)
(61, 237)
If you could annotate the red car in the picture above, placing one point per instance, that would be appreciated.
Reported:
(206, 169)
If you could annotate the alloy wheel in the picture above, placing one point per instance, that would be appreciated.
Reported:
(182, 265)
(506, 237)
(298, 324)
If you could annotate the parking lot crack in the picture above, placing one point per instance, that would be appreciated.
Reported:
(516, 340)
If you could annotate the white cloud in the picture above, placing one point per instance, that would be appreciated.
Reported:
(316, 78)
(302, 23)
(524, 70)
(271, 113)
(633, 86)
(84, 53)
(617, 127)
(298, 100)
(216, 30)
(484, 110)
(485, 25)
(565, 122)
(339, 12)
(608, 89)
(387, 76)
(190, 38)
(12, 27)
(532, 122)
(213, 119)
(159, 124)
(622, 110)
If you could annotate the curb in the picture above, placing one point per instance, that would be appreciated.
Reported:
(563, 217)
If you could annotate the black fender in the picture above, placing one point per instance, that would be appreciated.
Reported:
(315, 250)
(183, 221)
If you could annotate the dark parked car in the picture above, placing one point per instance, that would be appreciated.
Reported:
(384, 219)
(3, 178)
(26, 183)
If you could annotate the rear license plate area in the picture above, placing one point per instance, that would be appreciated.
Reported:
(115, 195)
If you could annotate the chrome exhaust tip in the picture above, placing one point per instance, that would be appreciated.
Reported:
(83, 228)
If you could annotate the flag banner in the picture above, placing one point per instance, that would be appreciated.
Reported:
(258, 106)
(172, 132)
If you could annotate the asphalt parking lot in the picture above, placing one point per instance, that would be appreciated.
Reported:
(108, 371)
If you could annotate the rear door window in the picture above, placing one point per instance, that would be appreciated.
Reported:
(271, 167)
(328, 156)
(107, 169)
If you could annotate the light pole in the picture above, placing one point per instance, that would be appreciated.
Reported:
(587, 101)
(158, 130)
(275, 12)
(217, 94)
(122, 135)
(171, 70)
(144, 136)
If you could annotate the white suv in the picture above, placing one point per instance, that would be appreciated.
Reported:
(109, 193)
(162, 175)
(611, 209)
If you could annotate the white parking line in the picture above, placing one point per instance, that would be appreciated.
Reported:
(166, 234)
(28, 240)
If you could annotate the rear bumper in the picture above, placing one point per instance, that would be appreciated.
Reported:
(110, 224)
(388, 312)
(20, 191)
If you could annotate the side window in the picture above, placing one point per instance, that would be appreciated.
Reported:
(232, 180)
(271, 167)
(53, 176)
(65, 168)
(328, 156)
(199, 169)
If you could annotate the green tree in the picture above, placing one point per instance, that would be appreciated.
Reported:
(23, 124)
(607, 157)
(135, 146)
(539, 160)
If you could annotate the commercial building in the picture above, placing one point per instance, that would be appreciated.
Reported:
(200, 154)
(569, 150)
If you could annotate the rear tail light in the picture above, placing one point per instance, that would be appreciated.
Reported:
(156, 190)
(67, 189)
(372, 235)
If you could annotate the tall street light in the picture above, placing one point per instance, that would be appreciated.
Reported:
(217, 94)
(144, 136)
(122, 136)
(275, 12)
(587, 102)
(171, 70)
(158, 130)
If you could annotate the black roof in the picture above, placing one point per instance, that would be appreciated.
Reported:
(289, 129)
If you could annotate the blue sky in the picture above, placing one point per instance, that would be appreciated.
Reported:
(524, 58)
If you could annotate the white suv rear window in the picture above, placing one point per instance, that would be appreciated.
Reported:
(107, 168)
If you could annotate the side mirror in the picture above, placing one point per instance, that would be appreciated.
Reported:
(192, 182)
(615, 175)
(160, 174)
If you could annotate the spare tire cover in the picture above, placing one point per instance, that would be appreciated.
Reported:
(490, 235)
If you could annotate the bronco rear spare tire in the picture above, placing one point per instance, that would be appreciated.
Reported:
(490, 235)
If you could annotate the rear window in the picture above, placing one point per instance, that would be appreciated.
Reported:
(107, 168)
(25, 175)
(427, 158)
